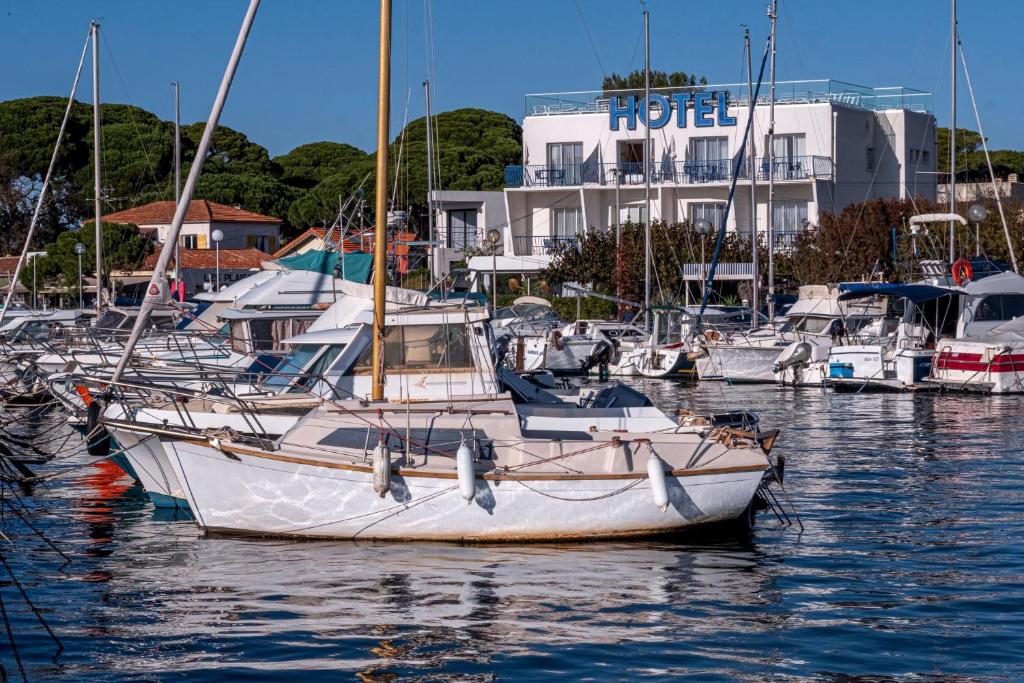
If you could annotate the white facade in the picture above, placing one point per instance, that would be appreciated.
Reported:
(461, 222)
(835, 144)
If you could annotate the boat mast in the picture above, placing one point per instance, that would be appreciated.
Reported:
(952, 134)
(381, 218)
(96, 142)
(155, 293)
(177, 179)
(430, 184)
(773, 15)
(755, 294)
(41, 199)
(647, 170)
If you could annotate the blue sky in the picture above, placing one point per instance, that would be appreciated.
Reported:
(309, 72)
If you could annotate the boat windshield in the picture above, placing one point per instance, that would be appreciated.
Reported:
(1000, 307)
(109, 320)
(35, 331)
(318, 369)
(291, 365)
(418, 348)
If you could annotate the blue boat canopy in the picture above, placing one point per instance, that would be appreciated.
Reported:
(357, 263)
(916, 293)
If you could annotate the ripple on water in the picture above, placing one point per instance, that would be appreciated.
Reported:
(911, 566)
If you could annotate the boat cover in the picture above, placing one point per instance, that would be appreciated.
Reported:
(916, 293)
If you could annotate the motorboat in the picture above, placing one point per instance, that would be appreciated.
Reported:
(987, 352)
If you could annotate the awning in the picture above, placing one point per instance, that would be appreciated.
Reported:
(916, 293)
(356, 267)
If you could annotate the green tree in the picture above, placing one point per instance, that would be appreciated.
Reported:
(634, 80)
(307, 165)
(124, 249)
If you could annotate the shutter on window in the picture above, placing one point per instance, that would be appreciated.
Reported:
(201, 241)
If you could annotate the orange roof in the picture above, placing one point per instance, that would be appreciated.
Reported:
(199, 211)
(8, 264)
(299, 240)
(206, 259)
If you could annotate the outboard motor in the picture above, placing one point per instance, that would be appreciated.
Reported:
(794, 354)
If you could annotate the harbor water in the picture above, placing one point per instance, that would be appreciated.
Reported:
(910, 566)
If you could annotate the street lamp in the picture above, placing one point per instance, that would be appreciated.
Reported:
(977, 213)
(494, 236)
(703, 227)
(80, 249)
(217, 236)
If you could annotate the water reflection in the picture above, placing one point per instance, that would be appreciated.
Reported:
(909, 566)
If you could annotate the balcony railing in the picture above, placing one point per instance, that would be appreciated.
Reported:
(666, 172)
(786, 92)
(528, 245)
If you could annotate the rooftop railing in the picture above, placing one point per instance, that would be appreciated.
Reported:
(786, 92)
(625, 174)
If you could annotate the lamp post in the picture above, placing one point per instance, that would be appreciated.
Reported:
(703, 227)
(80, 249)
(217, 236)
(494, 236)
(977, 213)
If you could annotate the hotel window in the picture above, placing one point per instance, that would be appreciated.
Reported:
(190, 241)
(564, 161)
(924, 156)
(790, 157)
(635, 214)
(566, 222)
(789, 217)
(712, 212)
(869, 156)
(913, 156)
(709, 159)
(631, 161)
(461, 228)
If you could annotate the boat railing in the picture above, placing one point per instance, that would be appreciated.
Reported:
(133, 393)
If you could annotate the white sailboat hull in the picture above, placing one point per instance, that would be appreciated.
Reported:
(254, 494)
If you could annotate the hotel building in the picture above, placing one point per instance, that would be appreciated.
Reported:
(835, 144)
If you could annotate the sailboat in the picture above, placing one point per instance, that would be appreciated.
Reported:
(467, 465)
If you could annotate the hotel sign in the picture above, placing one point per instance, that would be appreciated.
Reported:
(709, 109)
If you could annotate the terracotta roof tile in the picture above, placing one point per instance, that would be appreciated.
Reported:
(300, 239)
(8, 264)
(199, 211)
(230, 259)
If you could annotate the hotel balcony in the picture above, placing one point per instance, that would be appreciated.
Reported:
(529, 245)
(673, 173)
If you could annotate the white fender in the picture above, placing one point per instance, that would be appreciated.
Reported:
(381, 469)
(656, 473)
(467, 476)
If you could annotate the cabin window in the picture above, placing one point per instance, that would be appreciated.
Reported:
(422, 348)
(1000, 307)
(163, 322)
(292, 365)
(265, 335)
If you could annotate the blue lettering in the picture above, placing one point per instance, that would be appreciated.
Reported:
(663, 117)
(701, 108)
(615, 112)
(723, 111)
(681, 100)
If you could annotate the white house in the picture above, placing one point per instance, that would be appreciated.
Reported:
(835, 144)
(242, 229)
